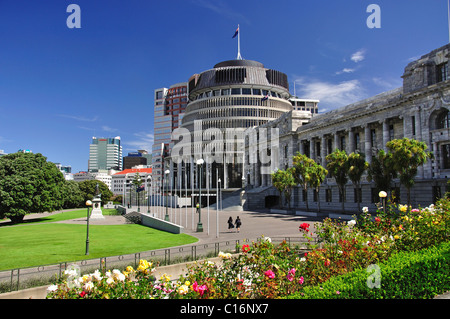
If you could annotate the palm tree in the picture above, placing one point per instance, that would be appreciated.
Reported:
(357, 166)
(337, 165)
(302, 172)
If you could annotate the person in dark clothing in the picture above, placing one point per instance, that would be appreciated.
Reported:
(238, 223)
(230, 223)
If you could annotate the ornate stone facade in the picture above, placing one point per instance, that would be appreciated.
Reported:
(419, 109)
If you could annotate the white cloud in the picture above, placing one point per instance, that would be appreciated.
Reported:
(222, 8)
(79, 118)
(331, 95)
(358, 56)
(345, 70)
(108, 129)
(143, 141)
(387, 84)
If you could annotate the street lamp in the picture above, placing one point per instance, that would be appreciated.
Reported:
(166, 217)
(383, 196)
(88, 204)
(200, 162)
(219, 194)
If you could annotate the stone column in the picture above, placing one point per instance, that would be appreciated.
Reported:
(367, 144)
(336, 141)
(351, 141)
(385, 134)
(323, 151)
(312, 148)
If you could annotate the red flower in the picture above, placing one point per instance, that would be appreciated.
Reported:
(304, 227)
(245, 248)
(377, 219)
(327, 263)
(82, 294)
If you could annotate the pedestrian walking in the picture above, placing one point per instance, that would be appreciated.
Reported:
(230, 224)
(238, 224)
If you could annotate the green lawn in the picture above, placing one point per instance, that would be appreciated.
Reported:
(41, 242)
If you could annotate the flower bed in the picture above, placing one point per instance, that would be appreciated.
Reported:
(265, 270)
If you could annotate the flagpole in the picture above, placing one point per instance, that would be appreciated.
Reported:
(239, 57)
(448, 17)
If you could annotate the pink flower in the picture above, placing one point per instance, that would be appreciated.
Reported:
(291, 274)
(301, 280)
(200, 289)
(415, 210)
(270, 274)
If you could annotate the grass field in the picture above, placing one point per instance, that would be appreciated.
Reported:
(42, 242)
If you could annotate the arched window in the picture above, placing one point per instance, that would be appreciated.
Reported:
(443, 120)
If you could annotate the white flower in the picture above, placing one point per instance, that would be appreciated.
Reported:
(88, 286)
(351, 222)
(365, 209)
(268, 239)
(97, 275)
(110, 280)
(224, 255)
(52, 288)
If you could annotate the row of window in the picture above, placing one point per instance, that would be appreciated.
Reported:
(237, 112)
(237, 91)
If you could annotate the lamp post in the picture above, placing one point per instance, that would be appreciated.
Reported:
(199, 224)
(218, 203)
(166, 217)
(88, 204)
(383, 196)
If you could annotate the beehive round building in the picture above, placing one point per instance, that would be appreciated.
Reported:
(235, 94)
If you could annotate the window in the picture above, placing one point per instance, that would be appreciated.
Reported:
(446, 155)
(256, 92)
(315, 195)
(343, 145)
(235, 91)
(357, 141)
(328, 197)
(226, 92)
(373, 138)
(442, 72)
(357, 195)
(443, 121)
(413, 125)
(247, 91)
(159, 95)
(391, 132)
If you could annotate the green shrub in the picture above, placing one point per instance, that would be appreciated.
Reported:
(406, 275)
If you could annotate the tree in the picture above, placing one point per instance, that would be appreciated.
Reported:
(381, 171)
(284, 181)
(357, 165)
(407, 156)
(317, 175)
(302, 170)
(88, 189)
(337, 165)
(28, 184)
(72, 195)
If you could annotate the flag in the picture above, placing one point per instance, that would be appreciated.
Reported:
(236, 33)
(266, 97)
(140, 189)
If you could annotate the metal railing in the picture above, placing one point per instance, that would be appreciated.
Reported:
(22, 278)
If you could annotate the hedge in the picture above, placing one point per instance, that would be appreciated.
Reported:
(406, 275)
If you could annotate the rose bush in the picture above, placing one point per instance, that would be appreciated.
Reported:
(263, 269)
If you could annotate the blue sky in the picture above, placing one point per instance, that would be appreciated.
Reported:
(60, 86)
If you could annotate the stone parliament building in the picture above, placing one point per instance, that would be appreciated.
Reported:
(419, 110)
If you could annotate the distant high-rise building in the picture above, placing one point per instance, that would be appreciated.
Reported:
(105, 154)
(170, 104)
(141, 157)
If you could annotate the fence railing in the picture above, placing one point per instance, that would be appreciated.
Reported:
(21, 278)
